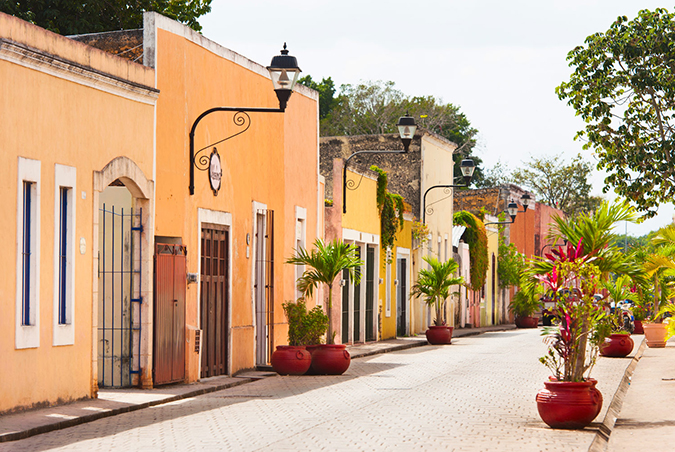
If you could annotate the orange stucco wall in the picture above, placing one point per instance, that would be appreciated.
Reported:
(273, 163)
(51, 115)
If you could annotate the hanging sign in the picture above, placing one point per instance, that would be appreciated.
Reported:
(215, 171)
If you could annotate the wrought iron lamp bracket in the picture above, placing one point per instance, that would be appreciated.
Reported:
(430, 210)
(352, 185)
(240, 119)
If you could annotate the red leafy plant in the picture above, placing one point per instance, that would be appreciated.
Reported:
(573, 343)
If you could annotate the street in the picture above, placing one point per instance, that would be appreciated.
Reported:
(477, 394)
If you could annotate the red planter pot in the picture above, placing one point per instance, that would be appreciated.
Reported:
(439, 335)
(617, 346)
(656, 334)
(291, 360)
(569, 405)
(527, 322)
(638, 327)
(329, 359)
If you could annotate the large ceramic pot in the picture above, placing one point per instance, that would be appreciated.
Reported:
(439, 335)
(329, 359)
(527, 322)
(638, 327)
(617, 346)
(291, 360)
(656, 334)
(569, 405)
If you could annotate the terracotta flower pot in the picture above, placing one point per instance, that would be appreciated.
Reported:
(656, 334)
(569, 405)
(291, 360)
(329, 359)
(439, 335)
(617, 346)
(527, 322)
(638, 327)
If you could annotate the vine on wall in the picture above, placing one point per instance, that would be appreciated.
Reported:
(391, 209)
(476, 237)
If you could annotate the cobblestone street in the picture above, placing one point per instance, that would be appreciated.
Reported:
(475, 395)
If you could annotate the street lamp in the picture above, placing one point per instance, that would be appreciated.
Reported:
(406, 129)
(467, 167)
(512, 210)
(284, 73)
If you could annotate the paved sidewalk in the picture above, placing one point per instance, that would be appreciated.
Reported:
(647, 418)
(115, 401)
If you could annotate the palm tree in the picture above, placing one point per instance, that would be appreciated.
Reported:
(325, 263)
(434, 285)
(590, 235)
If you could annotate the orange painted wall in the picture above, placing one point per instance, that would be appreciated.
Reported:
(274, 163)
(57, 119)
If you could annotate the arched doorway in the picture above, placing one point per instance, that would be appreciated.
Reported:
(123, 231)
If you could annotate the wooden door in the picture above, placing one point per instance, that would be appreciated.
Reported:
(169, 314)
(214, 301)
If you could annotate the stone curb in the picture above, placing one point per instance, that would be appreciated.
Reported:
(601, 440)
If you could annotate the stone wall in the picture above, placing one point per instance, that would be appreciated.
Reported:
(403, 169)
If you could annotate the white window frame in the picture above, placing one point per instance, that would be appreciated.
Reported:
(64, 177)
(28, 336)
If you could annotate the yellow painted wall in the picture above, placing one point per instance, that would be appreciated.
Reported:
(362, 212)
(403, 240)
(274, 163)
(57, 120)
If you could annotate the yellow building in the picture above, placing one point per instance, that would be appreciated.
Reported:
(76, 121)
(358, 303)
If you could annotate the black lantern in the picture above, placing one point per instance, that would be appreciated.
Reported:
(406, 128)
(284, 71)
(467, 167)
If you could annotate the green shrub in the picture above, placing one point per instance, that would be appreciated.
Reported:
(304, 328)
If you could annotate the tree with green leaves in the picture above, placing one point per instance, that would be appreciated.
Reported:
(326, 90)
(371, 108)
(68, 17)
(560, 185)
(623, 87)
(494, 176)
(323, 264)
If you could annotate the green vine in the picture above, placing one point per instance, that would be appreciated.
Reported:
(391, 209)
(476, 237)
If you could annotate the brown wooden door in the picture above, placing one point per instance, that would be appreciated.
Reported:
(169, 314)
(214, 303)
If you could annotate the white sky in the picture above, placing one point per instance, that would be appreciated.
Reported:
(499, 61)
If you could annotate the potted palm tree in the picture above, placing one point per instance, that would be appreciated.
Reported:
(434, 286)
(323, 265)
(525, 303)
(659, 270)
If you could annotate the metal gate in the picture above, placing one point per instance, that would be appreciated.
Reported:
(169, 314)
(214, 300)
(264, 286)
(119, 314)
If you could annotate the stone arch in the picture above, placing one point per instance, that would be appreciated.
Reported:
(124, 169)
